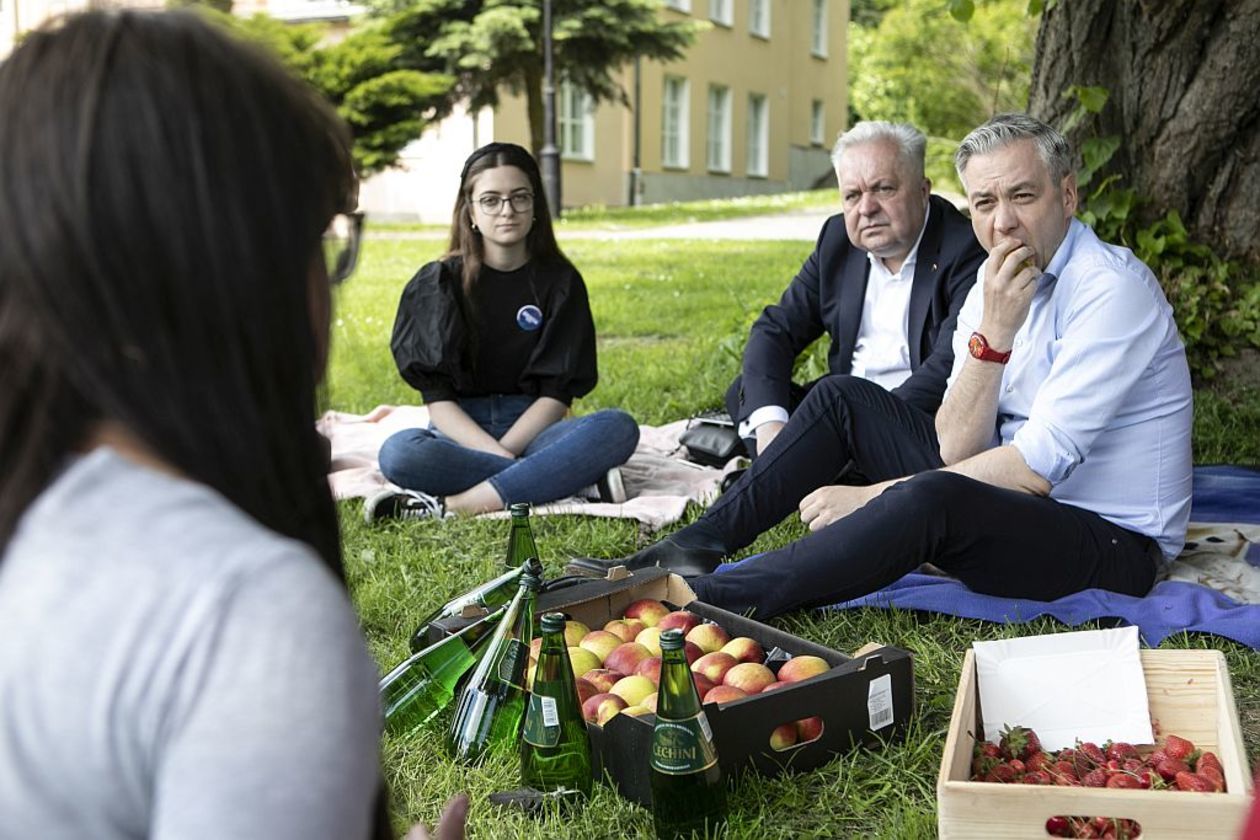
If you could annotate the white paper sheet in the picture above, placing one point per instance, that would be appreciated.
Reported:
(1087, 685)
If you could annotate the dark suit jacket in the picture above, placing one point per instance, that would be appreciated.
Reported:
(828, 293)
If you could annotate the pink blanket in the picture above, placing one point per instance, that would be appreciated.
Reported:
(659, 480)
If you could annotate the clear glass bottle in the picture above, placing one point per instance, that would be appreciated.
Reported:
(688, 794)
(488, 715)
(555, 751)
(424, 684)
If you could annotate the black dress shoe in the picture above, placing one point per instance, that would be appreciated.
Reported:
(688, 562)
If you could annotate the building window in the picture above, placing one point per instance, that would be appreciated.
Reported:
(679, 5)
(819, 47)
(575, 117)
(718, 157)
(674, 135)
(720, 12)
(817, 125)
(758, 135)
(759, 18)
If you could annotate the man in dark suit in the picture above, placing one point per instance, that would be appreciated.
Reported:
(886, 282)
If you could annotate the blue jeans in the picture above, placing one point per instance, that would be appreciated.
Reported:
(565, 457)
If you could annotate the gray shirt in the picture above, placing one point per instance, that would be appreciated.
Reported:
(169, 668)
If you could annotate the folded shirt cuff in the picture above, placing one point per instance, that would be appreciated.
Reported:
(763, 415)
(1046, 453)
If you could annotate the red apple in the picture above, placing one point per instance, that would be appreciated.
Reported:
(745, 649)
(708, 637)
(802, 668)
(724, 694)
(650, 668)
(749, 676)
(582, 661)
(703, 684)
(773, 686)
(647, 610)
(535, 648)
(637, 711)
(585, 690)
(783, 736)
(626, 657)
(681, 619)
(692, 652)
(601, 707)
(600, 642)
(809, 729)
(602, 678)
(573, 633)
(714, 665)
(624, 630)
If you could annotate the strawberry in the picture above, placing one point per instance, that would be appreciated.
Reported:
(1058, 827)
(1003, 773)
(1170, 767)
(1214, 776)
(1195, 782)
(1019, 742)
(1094, 778)
(1155, 757)
(1039, 761)
(1178, 748)
(1123, 780)
(1132, 765)
(1119, 750)
(982, 764)
(1209, 759)
(1037, 777)
(1150, 779)
(1017, 766)
(1088, 756)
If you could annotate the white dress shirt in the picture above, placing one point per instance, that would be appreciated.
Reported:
(1096, 396)
(881, 352)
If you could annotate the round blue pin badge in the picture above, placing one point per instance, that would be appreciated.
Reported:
(529, 317)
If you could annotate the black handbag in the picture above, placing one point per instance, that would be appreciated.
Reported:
(712, 440)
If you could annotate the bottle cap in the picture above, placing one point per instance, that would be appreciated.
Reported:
(531, 580)
(553, 623)
(672, 639)
(519, 509)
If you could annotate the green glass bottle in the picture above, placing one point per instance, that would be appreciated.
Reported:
(688, 794)
(488, 596)
(520, 545)
(424, 684)
(488, 715)
(555, 752)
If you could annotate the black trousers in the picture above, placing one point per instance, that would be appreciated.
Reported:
(997, 541)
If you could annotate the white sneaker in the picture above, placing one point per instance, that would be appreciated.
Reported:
(407, 504)
(610, 489)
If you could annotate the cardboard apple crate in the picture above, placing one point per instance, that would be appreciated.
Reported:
(741, 729)
(1190, 695)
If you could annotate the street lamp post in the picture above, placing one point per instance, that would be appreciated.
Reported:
(550, 153)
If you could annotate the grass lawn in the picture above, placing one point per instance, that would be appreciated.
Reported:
(671, 316)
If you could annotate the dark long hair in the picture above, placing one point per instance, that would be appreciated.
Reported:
(466, 241)
(163, 189)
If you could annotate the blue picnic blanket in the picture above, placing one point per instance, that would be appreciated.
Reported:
(1222, 494)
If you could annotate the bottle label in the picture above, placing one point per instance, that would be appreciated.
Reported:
(542, 722)
(512, 664)
(682, 747)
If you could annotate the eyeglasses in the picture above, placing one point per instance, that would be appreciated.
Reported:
(341, 246)
(520, 202)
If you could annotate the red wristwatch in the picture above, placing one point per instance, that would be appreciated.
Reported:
(980, 349)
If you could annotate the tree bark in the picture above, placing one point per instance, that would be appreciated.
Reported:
(1183, 77)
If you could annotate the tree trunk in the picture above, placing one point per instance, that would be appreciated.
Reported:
(1183, 77)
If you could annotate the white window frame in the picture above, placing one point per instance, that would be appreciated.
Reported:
(718, 141)
(722, 12)
(679, 5)
(818, 41)
(759, 18)
(675, 123)
(758, 149)
(817, 123)
(568, 124)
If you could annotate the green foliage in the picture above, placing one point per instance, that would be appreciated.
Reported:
(923, 66)
(224, 6)
(386, 106)
(493, 45)
(1216, 302)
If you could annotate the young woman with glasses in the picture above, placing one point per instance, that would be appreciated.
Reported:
(497, 336)
(178, 653)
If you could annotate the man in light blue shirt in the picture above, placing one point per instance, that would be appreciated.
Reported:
(1064, 434)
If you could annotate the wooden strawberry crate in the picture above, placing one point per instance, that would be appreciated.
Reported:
(1190, 695)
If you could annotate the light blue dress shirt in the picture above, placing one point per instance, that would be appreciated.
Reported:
(1096, 396)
